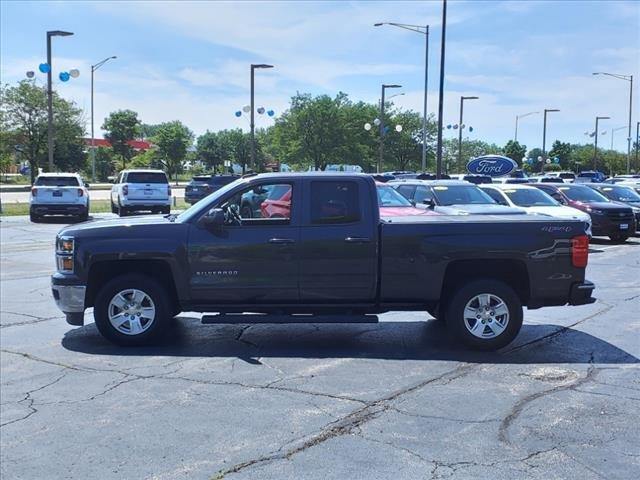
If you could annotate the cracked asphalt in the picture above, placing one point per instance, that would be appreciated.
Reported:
(367, 401)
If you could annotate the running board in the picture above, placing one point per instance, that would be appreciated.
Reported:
(242, 318)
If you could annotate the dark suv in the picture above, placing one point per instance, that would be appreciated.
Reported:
(202, 185)
(621, 194)
(609, 219)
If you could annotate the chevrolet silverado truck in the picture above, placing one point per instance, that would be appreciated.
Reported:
(332, 255)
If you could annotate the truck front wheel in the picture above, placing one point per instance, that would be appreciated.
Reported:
(132, 310)
(484, 314)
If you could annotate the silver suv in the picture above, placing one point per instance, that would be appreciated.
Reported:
(138, 190)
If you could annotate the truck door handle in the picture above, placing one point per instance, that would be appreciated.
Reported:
(281, 241)
(357, 240)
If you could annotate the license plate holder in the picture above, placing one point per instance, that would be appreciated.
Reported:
(57, 193)
(624, 226)
(148, 192)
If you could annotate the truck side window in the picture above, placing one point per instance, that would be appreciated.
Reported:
(422, 194)
(497, 196)
(406, 191)
(263, 204)
(334, 202)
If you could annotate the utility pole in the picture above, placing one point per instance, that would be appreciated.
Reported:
(441, 92)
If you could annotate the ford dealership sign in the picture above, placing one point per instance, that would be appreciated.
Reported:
(492, 165)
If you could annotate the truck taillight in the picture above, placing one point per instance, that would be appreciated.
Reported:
(80, 192)
(34, 191)
(580, 251)
(125, 189)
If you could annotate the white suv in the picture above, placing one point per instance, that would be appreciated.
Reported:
(59, 194)
(136, 190)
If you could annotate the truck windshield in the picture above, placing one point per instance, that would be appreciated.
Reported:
(460, 195)
(583, 194)
(198, 207)
(388, 197)
(530, 197)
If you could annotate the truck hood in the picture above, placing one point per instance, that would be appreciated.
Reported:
(486, 209)
(560, 212)
(404, 211)
(114, 223)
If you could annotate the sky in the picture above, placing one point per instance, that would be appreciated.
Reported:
(189, 61)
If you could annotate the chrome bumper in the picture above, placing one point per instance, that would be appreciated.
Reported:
(69, 298)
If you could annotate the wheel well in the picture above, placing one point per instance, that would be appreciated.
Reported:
(101, 272)
(512, 272)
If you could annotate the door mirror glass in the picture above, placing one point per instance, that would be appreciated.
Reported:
(429, 202)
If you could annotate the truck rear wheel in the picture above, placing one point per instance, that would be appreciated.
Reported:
(484, 314)
(132, 310)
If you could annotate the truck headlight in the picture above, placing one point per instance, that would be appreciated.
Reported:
(65, 254)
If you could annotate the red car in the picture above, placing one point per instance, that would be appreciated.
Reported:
(278, 203)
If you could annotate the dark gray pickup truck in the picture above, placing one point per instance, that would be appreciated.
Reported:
(318, 246)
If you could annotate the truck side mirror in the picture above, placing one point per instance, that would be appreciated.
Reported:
(214, 218)
(429, 203)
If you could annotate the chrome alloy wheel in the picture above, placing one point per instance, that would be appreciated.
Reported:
(486, 316)
(131, 311)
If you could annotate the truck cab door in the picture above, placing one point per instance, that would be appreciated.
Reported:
(339, 242)
(251, 259)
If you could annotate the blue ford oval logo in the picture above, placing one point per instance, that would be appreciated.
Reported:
(492, 165)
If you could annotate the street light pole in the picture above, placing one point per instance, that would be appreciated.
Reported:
(441, 92)
(424, 30)
(515, 139)
(462, 99)
(381, 157)
(613, 130)
(544, 136)
(93, 141)
(628, 78)
(53, 33)
(595, 143)
(253, 126)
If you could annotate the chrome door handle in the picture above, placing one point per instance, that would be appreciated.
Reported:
(281, 241)
(357, 240)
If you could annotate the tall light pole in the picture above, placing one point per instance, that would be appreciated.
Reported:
(628, 78)
(51, 33)
(637, 141)
(517, 118)
(253, 112)
(93, 141)
(441, 92)
(424, 30)
(384, 87)
(595, 142)
(544, 136)
(614, 130)
(462, 99)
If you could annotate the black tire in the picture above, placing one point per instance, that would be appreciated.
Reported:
(619, 238)
(113, 208)
(83, 217)
(165, 210)
(435, 313)
(457, 325)
(153, 290)
(123, 211)
(34, 218)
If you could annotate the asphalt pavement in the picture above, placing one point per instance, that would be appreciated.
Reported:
(393, 400)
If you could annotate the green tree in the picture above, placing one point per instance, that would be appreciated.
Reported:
(105, 163)
(515, 151)
(213, 149)
(148, 130)
(23, 113)
(172, 140)
(563, 152)
(121, 127)
(404, 147)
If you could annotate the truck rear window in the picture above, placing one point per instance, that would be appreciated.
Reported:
(334, 202)
(147, 177)
(57, 182)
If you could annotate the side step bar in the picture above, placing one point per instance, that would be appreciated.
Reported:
(243, 319)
